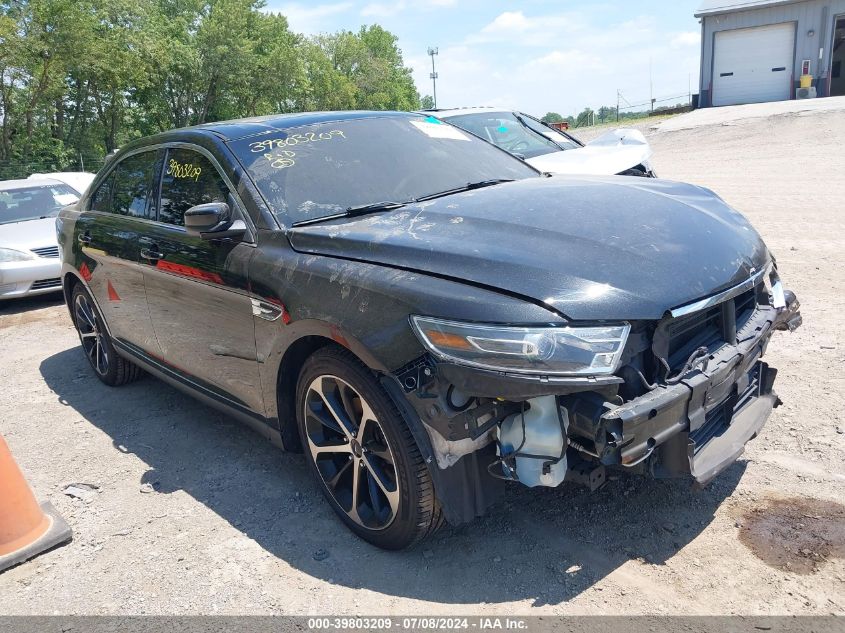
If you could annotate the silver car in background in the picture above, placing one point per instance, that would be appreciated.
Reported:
(29, 252)
(78, 180)
(621, 151)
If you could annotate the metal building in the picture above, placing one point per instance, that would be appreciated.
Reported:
(757, 50)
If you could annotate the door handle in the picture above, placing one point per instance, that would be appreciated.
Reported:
(151, 253)
(84, 238)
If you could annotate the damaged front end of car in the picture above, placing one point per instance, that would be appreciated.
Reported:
(676, 397)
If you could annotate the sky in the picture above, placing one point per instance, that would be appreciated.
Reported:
(536, 55)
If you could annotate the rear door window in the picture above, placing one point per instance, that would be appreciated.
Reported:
(188, 178)
(101, 199)
(127, 189)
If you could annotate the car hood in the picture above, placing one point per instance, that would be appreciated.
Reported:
(28, 234)
(609, 154)
(590, 248)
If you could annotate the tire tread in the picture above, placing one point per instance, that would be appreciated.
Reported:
(122, 370)
(428, 511)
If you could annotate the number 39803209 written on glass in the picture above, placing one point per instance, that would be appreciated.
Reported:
(275, 149)
(183, 170)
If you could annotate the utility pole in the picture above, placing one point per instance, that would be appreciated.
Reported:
(617, 105)
(433, 52)
(650, 87)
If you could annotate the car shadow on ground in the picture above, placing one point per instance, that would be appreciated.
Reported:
(544, 545)
(27, 304)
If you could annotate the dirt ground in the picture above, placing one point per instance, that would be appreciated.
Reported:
(229, 525)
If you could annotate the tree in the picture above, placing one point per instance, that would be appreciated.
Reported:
(552, 117)
(606, 113)
(427, 102)
(585, 118)
(372, 62)
(79, 78)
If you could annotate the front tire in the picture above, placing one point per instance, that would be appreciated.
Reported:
(110, 368)
(362, 453)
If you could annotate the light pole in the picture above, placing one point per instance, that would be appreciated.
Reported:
(433, 52)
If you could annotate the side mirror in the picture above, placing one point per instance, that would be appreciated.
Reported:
(213, 221)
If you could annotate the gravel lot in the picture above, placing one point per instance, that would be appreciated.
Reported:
(195, 514)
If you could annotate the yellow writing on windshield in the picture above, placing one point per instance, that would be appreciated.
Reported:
(183, 170)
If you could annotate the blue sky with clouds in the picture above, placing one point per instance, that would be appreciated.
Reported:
(535, 55)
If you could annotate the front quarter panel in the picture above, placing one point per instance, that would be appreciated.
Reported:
(361, 306)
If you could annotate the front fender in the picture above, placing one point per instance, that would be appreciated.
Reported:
(361, 306)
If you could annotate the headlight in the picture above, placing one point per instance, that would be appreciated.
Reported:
(11, 255)
(564, 351)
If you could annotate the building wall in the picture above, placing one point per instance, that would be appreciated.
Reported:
(809, 15)
(837, 84)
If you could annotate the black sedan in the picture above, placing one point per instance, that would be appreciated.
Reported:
(424, 315)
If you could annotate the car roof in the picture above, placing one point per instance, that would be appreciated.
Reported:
(49, 175)
(445, 113)
(240, 128)
(11, 185)
(236, 129)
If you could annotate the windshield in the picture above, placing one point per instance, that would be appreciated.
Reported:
(321, 170)
(514, 132)
(32, 203)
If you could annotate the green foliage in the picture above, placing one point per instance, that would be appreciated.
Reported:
(605, 113)
(586, 117)
(427, 102)
(552, 117)
(78, 78)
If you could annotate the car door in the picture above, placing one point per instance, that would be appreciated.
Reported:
(107, 233)
(197, 289)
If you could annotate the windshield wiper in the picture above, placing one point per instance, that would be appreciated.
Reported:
(390, 205)
(355, 211)
(372, 207)
(467, 187)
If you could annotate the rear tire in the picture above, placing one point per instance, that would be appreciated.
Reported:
(362, 453)
(108, 365)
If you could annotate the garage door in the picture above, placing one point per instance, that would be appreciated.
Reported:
(753, 65)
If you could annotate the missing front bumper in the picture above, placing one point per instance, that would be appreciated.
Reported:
(704, 451)
(671, 433)
(723, 449)
(699, 426)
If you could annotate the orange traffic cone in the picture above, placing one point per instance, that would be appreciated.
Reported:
(26, 529)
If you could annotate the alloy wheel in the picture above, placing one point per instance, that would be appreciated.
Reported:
(91, 334)
(351, 452)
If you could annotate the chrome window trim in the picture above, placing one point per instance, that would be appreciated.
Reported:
(719, 297)
(177, 145)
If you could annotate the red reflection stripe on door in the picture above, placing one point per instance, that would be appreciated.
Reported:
(189, 271)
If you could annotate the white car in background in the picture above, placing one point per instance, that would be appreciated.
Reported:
(29, 250)
(78, 180)
(622, 151)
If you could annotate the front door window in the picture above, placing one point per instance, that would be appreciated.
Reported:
(188, 179)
